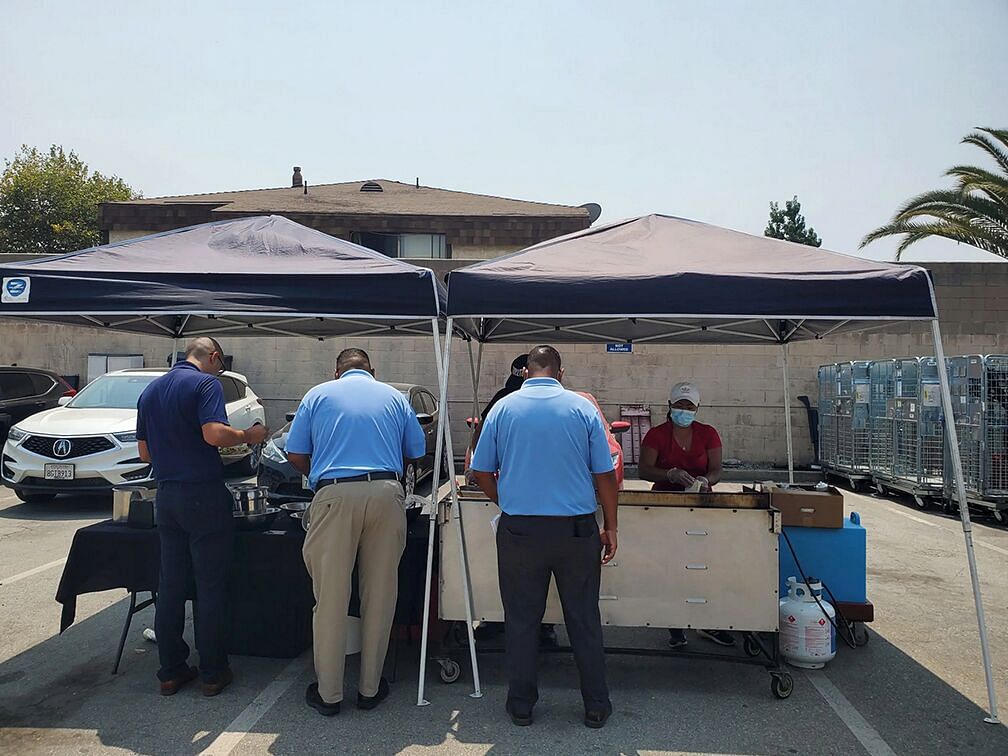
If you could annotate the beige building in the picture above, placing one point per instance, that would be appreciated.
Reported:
(742, 385)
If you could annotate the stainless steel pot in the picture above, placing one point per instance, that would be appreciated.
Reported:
(249, 498)
(124, 496)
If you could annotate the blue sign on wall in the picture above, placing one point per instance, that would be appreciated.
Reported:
(621, 348)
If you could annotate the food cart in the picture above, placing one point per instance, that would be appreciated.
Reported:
(661, 279)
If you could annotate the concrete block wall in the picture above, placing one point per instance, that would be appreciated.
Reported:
(741, 385)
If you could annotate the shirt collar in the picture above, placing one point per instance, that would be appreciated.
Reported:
(357, 371)
(530, 382)
(184, 364)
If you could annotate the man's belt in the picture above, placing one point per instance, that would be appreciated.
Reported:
(357, 479)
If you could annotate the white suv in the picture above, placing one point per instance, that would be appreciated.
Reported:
(89, 444)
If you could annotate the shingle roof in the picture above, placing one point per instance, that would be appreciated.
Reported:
(396, 198)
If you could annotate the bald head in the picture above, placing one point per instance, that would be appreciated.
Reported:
(544, 362)
(207, 354)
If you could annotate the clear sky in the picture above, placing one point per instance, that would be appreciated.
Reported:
(706, 110)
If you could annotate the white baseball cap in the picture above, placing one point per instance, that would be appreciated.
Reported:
(685, 390)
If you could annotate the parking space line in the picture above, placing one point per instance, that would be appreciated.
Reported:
(858, 725)
(909, 516)
(33, 571)
(226, 742)
(922, 521)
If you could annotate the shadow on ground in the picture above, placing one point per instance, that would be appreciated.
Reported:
(55, 690)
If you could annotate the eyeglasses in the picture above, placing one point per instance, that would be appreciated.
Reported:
(219, 359)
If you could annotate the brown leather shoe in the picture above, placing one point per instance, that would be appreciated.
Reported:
(171, 687)
(212, 689)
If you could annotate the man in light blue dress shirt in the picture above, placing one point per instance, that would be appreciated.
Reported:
(350, 437)
(541, 456)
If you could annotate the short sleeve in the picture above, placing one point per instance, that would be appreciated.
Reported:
(210, 403)
(486, 457)
(299, 438)
(713, 439)
(654, 439)
(600, 458)
(414, 442)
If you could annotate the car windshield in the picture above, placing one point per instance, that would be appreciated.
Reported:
(112, 392)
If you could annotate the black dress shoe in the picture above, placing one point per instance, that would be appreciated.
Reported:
(313, 699)
(598, 718)
(369, 702)
(520, 716)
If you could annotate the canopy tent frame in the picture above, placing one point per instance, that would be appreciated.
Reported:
(778, 292)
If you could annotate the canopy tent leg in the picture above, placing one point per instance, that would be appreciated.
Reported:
(787, 416)
(957, 470)
(442, 372)
(476, 369)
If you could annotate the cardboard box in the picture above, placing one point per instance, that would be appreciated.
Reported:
(805, 507)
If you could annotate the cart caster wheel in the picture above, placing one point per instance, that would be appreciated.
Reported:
(921, 502)
(752, 648)
(782, 685)
(999, 516)
(450, 671)
(860, 634)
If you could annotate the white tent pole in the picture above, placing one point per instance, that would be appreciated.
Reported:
(442, 372)
(953, 441)
(464, 568)
(787, 416)
(476, 369)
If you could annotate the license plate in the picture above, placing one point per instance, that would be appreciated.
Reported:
(59, 472)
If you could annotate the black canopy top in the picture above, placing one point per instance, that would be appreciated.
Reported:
(225, 276)
(662, 278)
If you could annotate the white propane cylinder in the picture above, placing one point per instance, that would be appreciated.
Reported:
(807, 637)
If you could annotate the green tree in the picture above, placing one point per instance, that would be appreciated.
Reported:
(789, 224)
(49, 202)
(974, 212)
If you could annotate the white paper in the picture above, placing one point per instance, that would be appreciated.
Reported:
(493, 524)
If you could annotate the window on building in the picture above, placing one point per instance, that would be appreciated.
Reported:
(424, 246)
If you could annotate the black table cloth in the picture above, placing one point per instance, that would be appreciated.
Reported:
(270, 598)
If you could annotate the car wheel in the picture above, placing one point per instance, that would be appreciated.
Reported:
(34, 498)
(409, 479)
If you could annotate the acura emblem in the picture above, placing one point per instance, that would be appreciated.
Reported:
(61, 448)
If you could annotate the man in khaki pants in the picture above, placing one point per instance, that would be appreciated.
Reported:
(350, 437)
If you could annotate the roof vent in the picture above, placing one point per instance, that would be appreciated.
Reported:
(296, 179)
(371, 186)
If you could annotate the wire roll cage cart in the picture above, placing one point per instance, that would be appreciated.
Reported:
(914, 415)
(677, 329)
(828, 392)
(979, 385)
(848, 404)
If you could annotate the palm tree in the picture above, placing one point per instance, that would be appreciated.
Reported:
(975, 212)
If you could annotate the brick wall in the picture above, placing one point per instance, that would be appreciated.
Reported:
(741, 385)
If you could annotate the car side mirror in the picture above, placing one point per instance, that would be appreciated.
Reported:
(63, 401)
(619, 426)
(424, 418)
(290, 417)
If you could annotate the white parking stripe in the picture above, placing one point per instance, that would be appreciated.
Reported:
(922, 521)
(225, 742)
(33, 571)
(858, 725)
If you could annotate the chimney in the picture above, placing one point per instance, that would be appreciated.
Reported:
(296, 179)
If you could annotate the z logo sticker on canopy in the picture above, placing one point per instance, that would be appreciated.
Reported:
(15, 290)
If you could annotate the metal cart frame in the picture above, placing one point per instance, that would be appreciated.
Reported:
(850, 424)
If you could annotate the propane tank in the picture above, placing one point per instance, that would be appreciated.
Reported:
(807, 637)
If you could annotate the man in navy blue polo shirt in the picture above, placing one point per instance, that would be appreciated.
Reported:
(350, 437)
(549, 448)
(181, 420)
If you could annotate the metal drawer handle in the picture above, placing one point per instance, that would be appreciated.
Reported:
(696, 532)
(696, 601)
(696, 566)
(608, 598)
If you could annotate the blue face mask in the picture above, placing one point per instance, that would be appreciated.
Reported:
(682, 418)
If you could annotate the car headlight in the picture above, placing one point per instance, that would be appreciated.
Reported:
(126, 438)
(272, 452)
(15, 434)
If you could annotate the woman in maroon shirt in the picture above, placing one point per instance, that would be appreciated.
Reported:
(677, 454)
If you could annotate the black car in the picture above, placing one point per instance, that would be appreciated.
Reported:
(280, 476)
(25, 391)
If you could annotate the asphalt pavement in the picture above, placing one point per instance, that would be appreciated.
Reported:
(917, 687)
